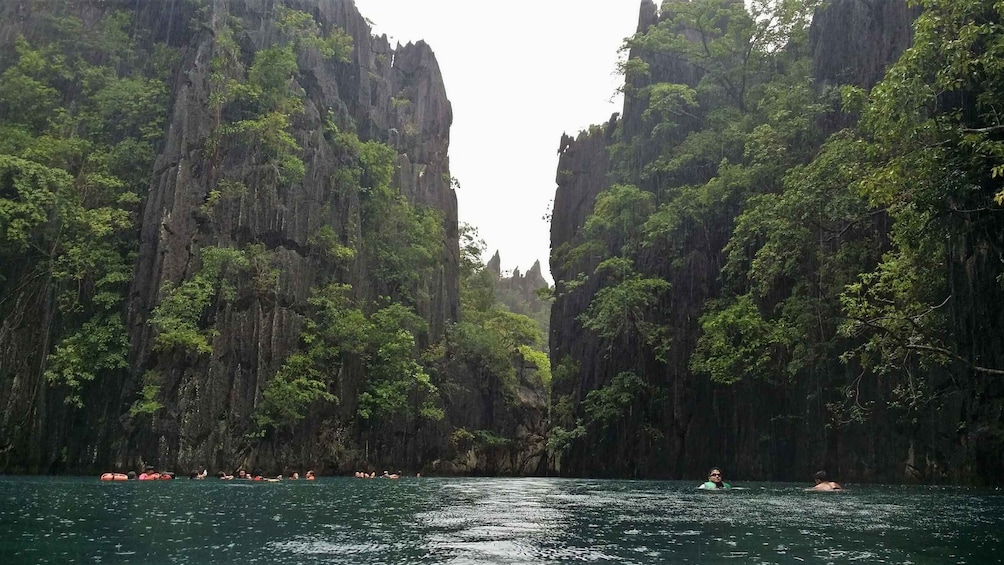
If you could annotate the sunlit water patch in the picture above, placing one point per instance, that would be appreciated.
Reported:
(482, 521)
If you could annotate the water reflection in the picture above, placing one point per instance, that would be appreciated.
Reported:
(474, 521)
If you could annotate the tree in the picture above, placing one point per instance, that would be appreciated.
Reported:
(935, 123)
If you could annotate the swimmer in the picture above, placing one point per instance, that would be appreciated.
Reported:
(148, 474)
(309, 476)
(824, 485)
(715, 481)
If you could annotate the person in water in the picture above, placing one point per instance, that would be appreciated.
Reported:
(715, 480)
(824, 485)
(148, 474)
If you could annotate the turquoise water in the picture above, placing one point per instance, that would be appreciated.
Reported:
(471, 521)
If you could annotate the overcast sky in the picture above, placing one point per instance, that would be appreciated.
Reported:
(518, 73)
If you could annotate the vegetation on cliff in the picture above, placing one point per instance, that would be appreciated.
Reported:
(789, 271)
(213, 253)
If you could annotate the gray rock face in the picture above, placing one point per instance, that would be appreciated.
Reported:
(217, 398)
(391, 94)
(855, 41)
(582, 175)
(852, 42)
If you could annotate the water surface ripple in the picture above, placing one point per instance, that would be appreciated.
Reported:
(496, 521)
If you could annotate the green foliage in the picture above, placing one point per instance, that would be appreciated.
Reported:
(897, 305)
(934, 121)
(305, 33)
(481, 352)
(178, 315)
(26, 96)
(560, 439)
(609, 404)
(30, 191)
(101, 344)
(737, 344)
(793, 252)
(147, 403)
(399, 386)
(403, 242)
(541, 361)
(619, 213)
(270, 81)
(513, 330)
(296, 386)
(622, 310)
(328, 243)
(255, 106)
(667, 102)
(731, 43)
(82, 115)
(477, 284)
(335, 330)
(225, 190)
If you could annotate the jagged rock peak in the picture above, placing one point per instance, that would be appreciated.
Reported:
(648, 15)
(495, 264)
(535, 277)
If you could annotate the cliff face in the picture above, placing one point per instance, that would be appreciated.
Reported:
(765, 430)
(217, 397)
(393, 95)
(853, 42)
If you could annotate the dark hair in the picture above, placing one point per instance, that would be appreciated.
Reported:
(713, 469)
(821, 475)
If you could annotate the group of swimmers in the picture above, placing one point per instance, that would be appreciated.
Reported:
(150, 474)
(385, 475)
(257, 476)
(715, 482)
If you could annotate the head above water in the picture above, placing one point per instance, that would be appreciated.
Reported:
(715, 475)
(820, 476)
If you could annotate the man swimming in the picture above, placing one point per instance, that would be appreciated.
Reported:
(715, 480)
(824, 485)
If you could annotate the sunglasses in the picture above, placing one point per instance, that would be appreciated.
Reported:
(716, 474)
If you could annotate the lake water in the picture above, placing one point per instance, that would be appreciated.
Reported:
(479, 520)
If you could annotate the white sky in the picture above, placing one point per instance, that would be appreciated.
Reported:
(518, 73)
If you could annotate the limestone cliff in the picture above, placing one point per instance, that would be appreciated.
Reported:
(694, 423)
(384, 93)
(519, 292)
